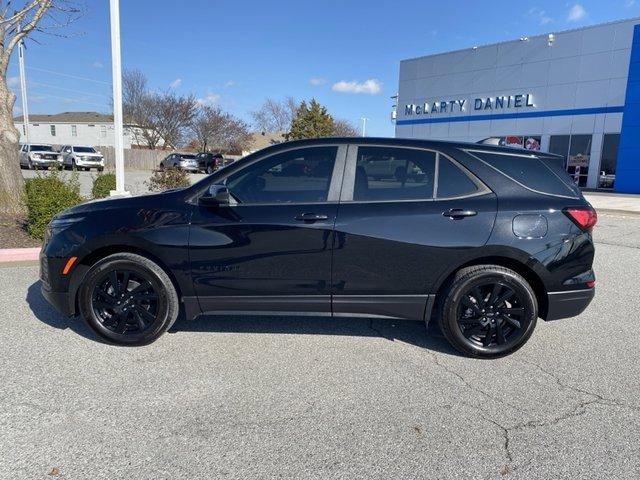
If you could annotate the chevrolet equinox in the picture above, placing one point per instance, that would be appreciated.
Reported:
(482, 239)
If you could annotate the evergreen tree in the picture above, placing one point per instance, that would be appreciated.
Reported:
(311, 121)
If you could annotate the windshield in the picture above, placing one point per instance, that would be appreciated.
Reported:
(84, 150)
(41, 148)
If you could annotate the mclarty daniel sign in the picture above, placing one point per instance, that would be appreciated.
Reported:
(504, 102)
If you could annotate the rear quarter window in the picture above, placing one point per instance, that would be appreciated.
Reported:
(540, 174)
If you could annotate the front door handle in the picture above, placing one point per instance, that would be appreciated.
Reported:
(457, 213)
(310, 217)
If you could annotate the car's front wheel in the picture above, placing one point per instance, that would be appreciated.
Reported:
(128, 299)
(488, 311)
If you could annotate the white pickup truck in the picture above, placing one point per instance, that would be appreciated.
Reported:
(34, 156)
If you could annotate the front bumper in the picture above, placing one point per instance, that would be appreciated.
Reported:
(55, 291)
(45, 161)
(59, 300)
(568, 304)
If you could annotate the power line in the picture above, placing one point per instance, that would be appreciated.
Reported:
(69, 75)
(72, 100)
(68, 89)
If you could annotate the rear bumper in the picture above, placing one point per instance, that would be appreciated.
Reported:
(568, 304)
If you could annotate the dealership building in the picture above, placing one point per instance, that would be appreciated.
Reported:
(574, 93)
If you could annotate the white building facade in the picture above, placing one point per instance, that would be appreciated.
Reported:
(573, 93)
(74, 128)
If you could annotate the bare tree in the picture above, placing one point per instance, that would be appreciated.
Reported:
(156, 118)
(275, 115)
(171, 116)
(218, 130)
(134, 93)
(17, 20)
(344, 128)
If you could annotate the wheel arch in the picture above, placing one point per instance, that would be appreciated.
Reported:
(518, 266)
(85, 263)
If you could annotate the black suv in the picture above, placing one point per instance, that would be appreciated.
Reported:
(484, 239)
(209, 162)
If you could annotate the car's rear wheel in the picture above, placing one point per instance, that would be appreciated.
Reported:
(128, 299)
(488, 311)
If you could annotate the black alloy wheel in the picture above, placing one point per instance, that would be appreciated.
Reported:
(128, 299)
(491, 314)
(488, 311)
(125, 301)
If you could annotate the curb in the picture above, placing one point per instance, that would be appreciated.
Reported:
(19, 254)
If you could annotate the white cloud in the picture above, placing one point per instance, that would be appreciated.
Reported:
(97, 64)
(176, 83)
(540, 15)
(209, 99)
(629, 3)
(13, 81)
(576, 13)
(317, 81)
(371, 86)
(230, 83)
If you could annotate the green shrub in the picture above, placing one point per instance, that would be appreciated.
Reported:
(167, 178)
(103, 183)
(47, 195)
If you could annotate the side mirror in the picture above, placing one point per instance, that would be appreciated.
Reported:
(217, 195)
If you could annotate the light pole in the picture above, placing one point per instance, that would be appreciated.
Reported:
(23, 89)
(117, 98)
(364, 125)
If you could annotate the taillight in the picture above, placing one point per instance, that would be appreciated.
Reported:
(584, 217)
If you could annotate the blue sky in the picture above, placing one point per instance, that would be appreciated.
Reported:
(345, 53)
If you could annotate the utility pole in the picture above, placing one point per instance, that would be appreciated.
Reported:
(116, 68)
(364, 125)
(23, 88)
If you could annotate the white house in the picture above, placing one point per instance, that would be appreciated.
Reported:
(76, 128)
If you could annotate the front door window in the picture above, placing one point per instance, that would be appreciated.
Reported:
(297, 176)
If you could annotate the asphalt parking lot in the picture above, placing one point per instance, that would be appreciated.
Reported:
(319, 398)
(134, 180)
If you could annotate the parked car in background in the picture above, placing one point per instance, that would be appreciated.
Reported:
(606, 180)
(209, 162)
(79, 157)
(491, 240)
(34, 156)
(183, 161)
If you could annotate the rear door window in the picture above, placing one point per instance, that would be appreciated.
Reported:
(537, 174)
(390, 173)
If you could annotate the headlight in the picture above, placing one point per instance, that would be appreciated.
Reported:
(59, 224)
(36, 155)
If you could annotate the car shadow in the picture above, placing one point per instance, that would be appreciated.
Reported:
(44, 312)
(410, 332)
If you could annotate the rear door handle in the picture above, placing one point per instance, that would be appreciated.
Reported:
(310, 217)
(459, 213)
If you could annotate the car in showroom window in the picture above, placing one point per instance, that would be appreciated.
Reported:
(385, 228)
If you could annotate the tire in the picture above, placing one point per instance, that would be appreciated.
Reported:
(488, 311)
(131, 314)
(100, 169)
(210, 170)
(30, 165)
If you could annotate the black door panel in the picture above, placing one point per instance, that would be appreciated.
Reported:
(400, 248)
